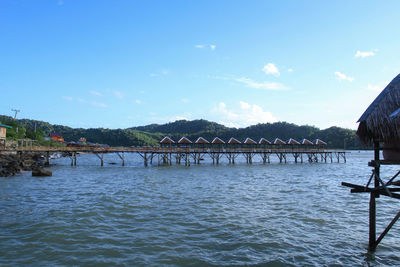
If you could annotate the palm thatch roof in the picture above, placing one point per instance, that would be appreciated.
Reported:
(306, 142)
(319, 142)
(291, 141)
(167, 140)
(233, 141)
(380, 122)
(278, 141)
(264, 141)
(217, 140)
(202, 140)
(184, 140)
(249, 141)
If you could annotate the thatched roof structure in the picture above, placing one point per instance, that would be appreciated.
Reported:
(381, 120)
(278, 141)
(202, 140)
(217, 140)
(319, 142)
(234, 141)
(264, 141)
(291, 141)
(184, 140)
(306, 142)
(167, 140)
(249, 141)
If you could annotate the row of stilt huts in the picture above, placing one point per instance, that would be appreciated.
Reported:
(248, 142)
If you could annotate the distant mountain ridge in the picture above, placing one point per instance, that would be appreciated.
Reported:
(336, 137)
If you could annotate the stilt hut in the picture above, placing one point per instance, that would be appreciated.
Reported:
(306, 143)
(184, 142)
(233, 142)
(250, 143)
(217, 143)
(293, 143)
(319, 144)
(278, 142)
(264, 142)
(166, 142)
(380, 126)
(381, 121)
(201, 142)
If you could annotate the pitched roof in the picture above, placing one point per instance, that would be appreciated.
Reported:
(6, 126)
(202, 140)
(184, 140)
(291, 141)
(234, 141)
(319, 142)
(278, 141)
(249, 141)
(380, 121)
(167, 140)
(264, 141)
(217, 140)
(306, 142)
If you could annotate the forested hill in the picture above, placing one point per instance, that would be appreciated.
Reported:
(336, 137)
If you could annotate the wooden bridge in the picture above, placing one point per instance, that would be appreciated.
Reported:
(193, 155)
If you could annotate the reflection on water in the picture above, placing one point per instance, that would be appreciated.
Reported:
(271, 215)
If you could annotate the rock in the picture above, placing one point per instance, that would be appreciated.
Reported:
(41, 172)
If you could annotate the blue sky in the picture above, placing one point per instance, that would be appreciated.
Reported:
(118, 64)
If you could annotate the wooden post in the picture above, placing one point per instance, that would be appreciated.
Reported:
(102, 161)
(372, 201)
(74, 158)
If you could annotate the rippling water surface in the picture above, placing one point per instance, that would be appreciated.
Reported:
(265, 215)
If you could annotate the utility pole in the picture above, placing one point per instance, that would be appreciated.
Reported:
(16, 112)
(15, 116)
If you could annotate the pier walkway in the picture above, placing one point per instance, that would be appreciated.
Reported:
(193, 155)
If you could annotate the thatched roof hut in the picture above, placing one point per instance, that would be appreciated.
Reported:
(234, 141)
(202, 140)
(184, 140)
(306, 142)
(249, 141)
(167, 140)
(291, 141)
(381, 120)
(278, 141)
(217, 141)
(264, 141)
(319, 142)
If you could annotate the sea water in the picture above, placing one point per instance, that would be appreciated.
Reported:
(203, 215)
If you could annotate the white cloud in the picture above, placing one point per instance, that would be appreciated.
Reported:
(118, 94)
(96, 93)
(68, 98)
(261, 85)
(202, 46)
(290, 70)
(342, 76)
(364, 54)
(80, 100)
(185, 100)
(137, 101)
(246, 114)
(99, 104)
(270, 68)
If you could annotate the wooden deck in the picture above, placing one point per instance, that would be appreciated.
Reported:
(194, 155)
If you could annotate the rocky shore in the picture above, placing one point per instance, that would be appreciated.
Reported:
(11, 164)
